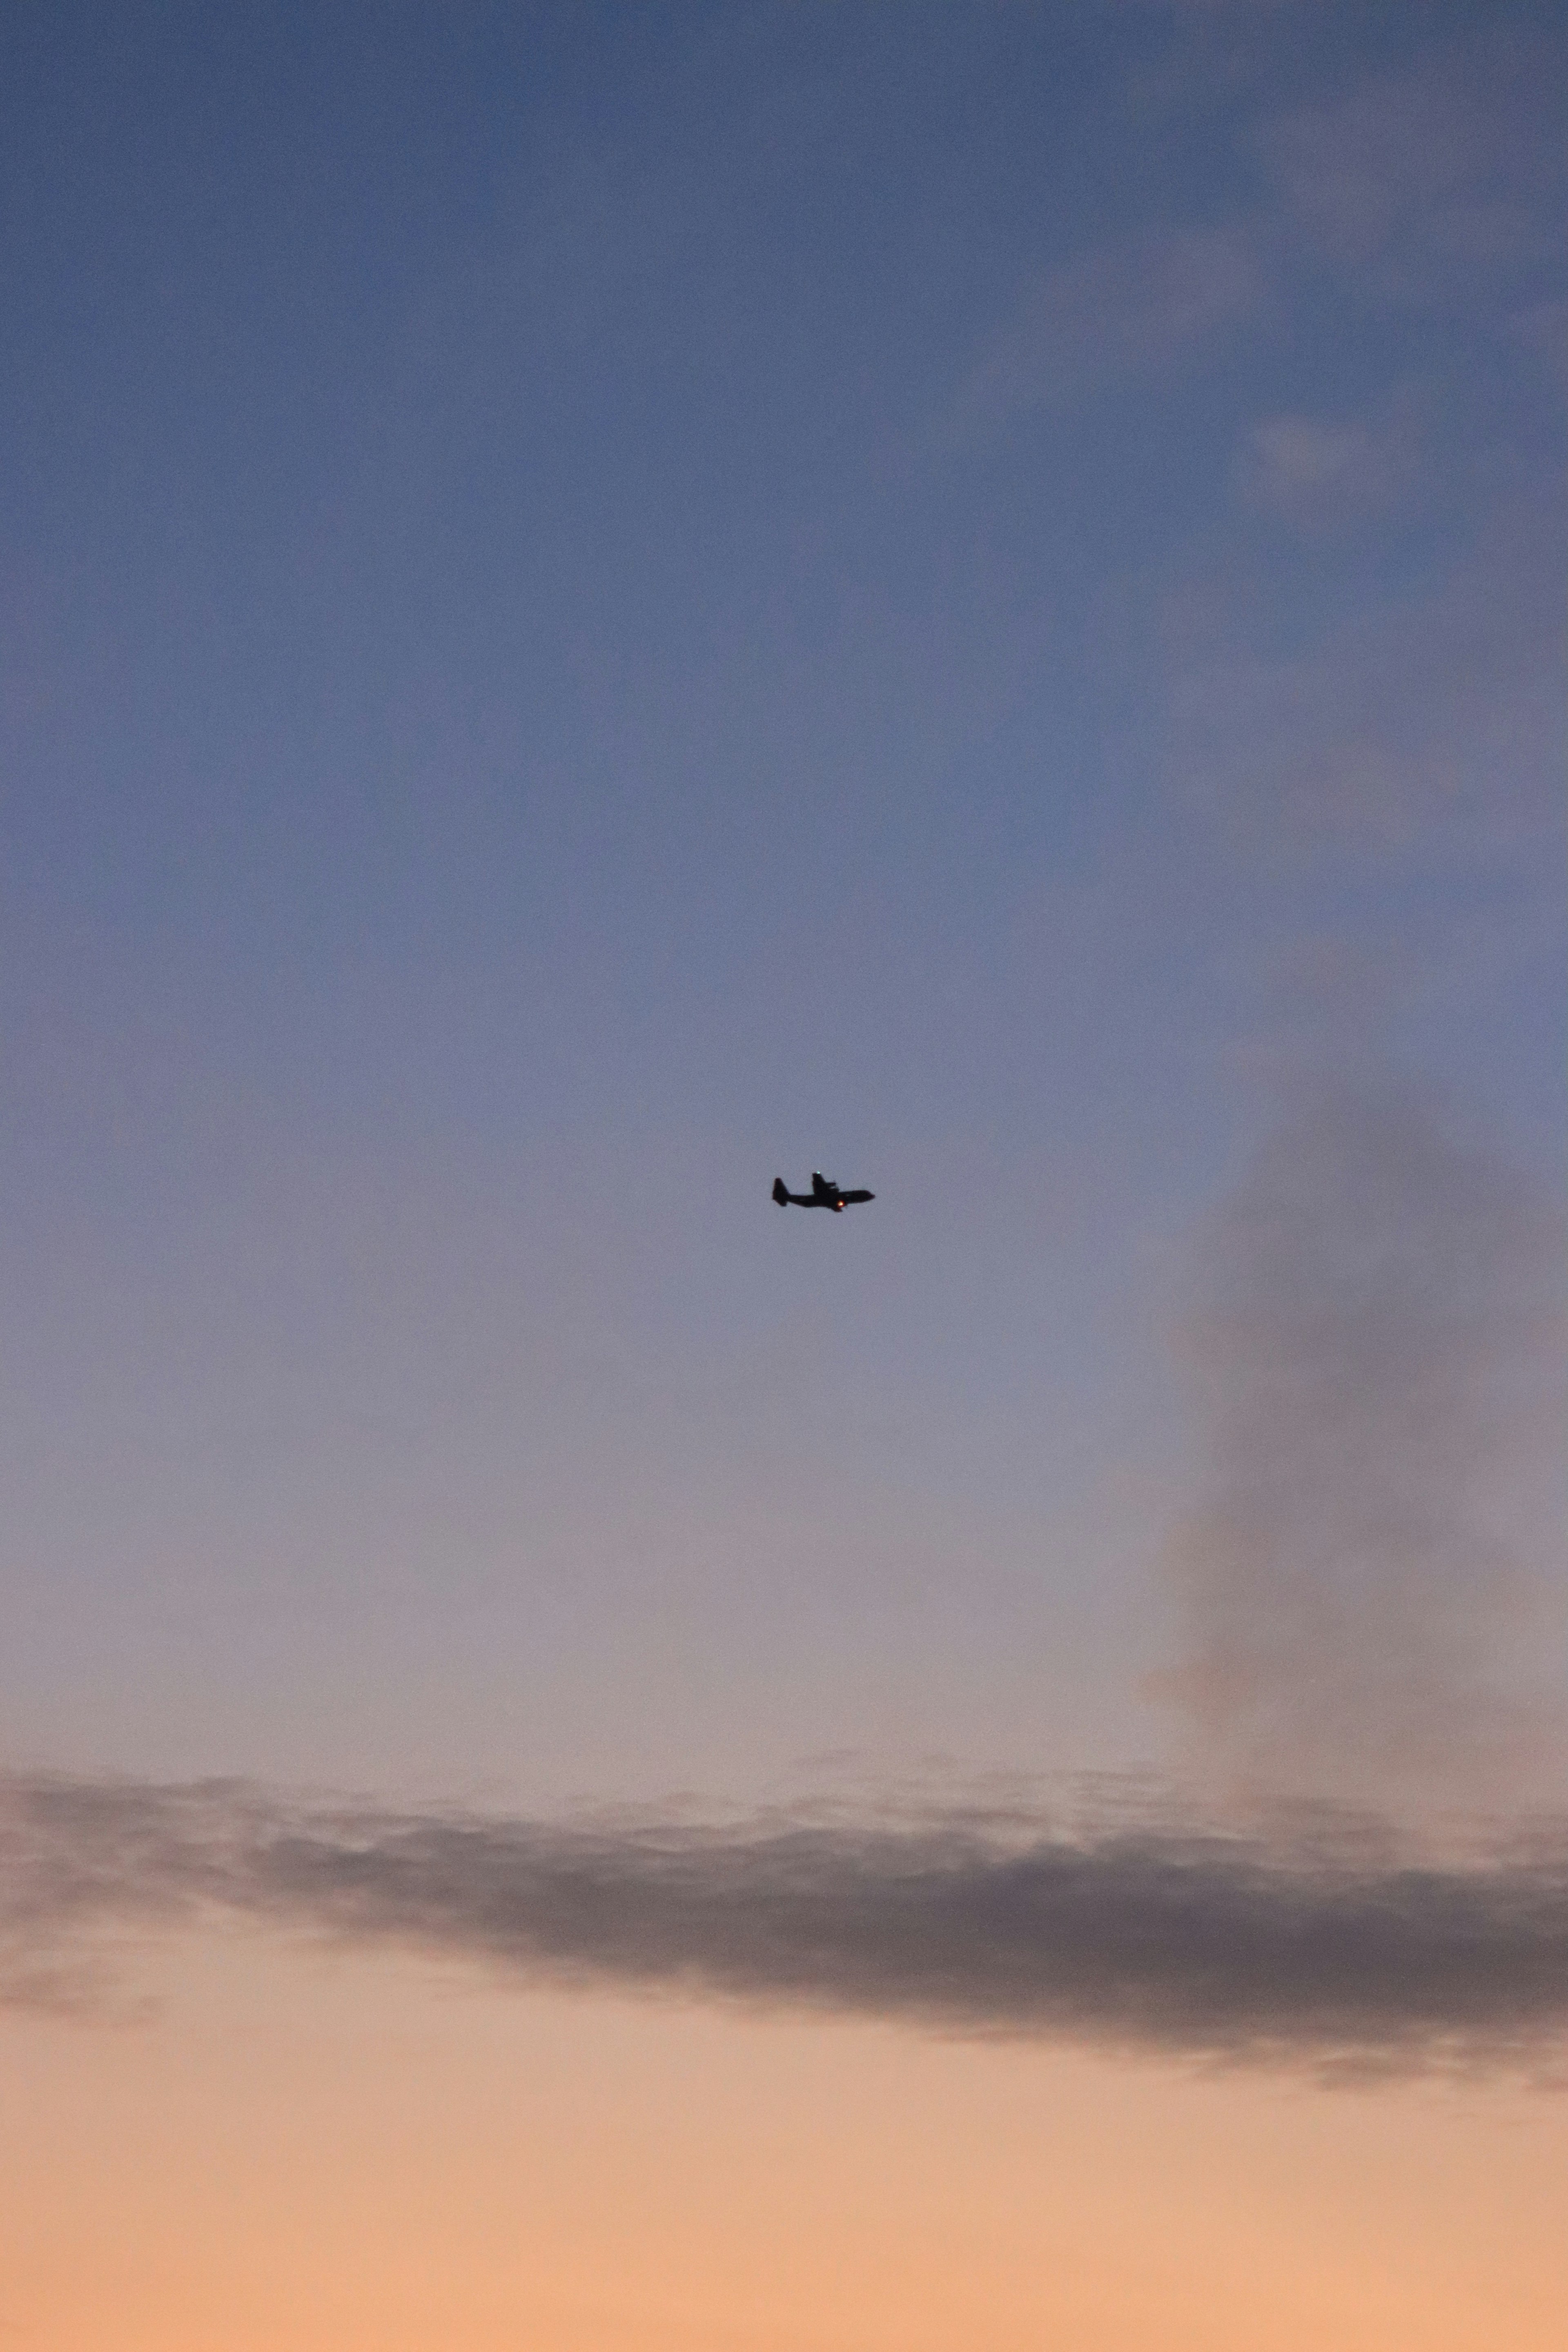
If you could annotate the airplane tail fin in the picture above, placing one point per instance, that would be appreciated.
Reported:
(780, 1195)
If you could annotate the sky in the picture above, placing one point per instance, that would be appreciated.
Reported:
(598, 605)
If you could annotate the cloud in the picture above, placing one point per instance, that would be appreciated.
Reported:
(1543, 328)
(1436, 715)
(1435, 176)
(1324, 1950)
(1122, 309)
(1376, 1305)
(1435, 183)
(1325, 475)
(1376, 1344)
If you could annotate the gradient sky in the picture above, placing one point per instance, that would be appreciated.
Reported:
(598, 604)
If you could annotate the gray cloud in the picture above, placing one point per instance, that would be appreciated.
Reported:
(1323, 1950)
(1376, 1346)
(1376, 1305)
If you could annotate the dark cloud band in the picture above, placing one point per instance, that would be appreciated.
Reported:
(1197, 1944)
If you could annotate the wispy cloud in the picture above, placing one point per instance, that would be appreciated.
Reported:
(1543, 328)
(1376, 1341)
(1434, 176)
(1127, 308)
(1435, 713)
(1324, 1950)
(1326, 475)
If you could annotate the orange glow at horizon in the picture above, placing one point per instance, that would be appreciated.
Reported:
(316, 2153)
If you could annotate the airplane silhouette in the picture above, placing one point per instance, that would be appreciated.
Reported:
(824, 1194)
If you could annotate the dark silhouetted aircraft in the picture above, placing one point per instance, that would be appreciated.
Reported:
(824, 1194)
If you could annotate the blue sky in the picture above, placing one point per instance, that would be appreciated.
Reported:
(600, 605)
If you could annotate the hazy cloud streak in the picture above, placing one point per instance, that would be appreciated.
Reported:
(1120, 310)
(1376, 1344)
(1433, 178)
(1436, 720)
(1324, 1949)
(1324, 475)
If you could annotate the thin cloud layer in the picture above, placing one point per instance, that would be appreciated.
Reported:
(1324, 475)
(1436, 718)
(1122, 309)
(1325, 1950)
(1433, 178)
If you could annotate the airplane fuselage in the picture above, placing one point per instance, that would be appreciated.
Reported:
(824, 1194)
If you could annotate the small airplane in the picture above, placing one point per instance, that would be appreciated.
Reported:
(824, 1194)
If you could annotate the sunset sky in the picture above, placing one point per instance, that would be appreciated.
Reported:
(598, 604)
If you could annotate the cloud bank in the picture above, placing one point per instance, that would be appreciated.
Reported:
(1323, 1950)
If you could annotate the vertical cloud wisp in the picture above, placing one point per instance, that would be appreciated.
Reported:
(1375, 1354)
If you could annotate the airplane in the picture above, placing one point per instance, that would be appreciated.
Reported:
(824, 1194)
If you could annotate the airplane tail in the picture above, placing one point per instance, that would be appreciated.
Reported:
(780, 1195)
